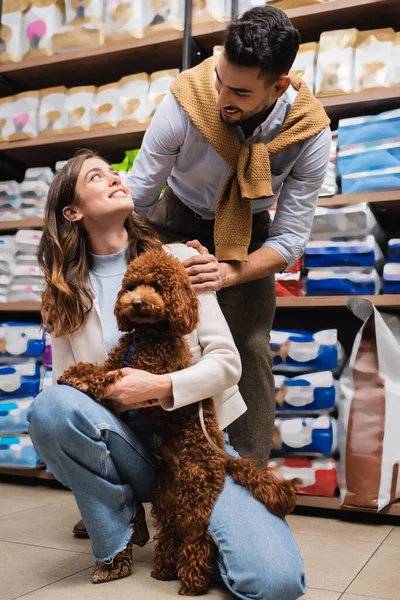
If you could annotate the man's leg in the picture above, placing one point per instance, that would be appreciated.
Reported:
(249, 310)
(99, 458)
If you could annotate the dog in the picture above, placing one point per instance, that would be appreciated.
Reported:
(156, 308)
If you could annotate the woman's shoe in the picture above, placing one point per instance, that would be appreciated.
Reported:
(118, 568)
(79, 530)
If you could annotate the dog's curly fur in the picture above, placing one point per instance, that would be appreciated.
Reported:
(158, 306)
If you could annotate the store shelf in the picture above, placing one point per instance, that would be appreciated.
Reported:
(20, 307)
(370, 197)
(384, 301)
(28, 473)
(6, 226)
(361, 103)
(334, 504)
(45, 150)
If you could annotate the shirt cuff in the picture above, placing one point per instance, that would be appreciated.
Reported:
(290, 257)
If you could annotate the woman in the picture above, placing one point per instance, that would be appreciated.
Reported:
(109, 461)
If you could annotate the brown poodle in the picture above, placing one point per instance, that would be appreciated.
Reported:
(157, 308)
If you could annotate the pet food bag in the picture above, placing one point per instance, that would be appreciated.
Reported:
(20, 340)
(318, 475)
(208, 11)
(301, 351)
(160, 82)
(166, 15)
(369, 129)
(355, 252)
(77, 37)
(21, 123)
(79, 106)
(19, 379)
(341, 281)
(369, 412)
(312, 436)
(78, 12)
(288, 284)
(6, 110)
(126, 19)
(11, 28)
(371, 181)
(134, 99)
(393, 253)
(41, 21)
(13, 415)
(287, 4)
(52, 112)
(356, 220)
(27, 241)
(42, 174)
(335, 63)
(395, 62)
(391, 278)
(8, 244)
(18, 451)
(369, 156)
(305, 394)
(107, 106)
(373, 58)
(305, 63)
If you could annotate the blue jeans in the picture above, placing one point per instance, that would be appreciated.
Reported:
(109, 463)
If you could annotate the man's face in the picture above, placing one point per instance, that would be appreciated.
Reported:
(243, 92)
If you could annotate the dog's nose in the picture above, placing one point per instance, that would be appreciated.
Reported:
(137, 303)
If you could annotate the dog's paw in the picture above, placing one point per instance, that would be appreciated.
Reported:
(186, 590)
(164, 575)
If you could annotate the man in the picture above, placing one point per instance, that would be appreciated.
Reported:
(231, 138)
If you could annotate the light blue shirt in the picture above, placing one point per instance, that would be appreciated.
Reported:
(174, 150)
(106, 280)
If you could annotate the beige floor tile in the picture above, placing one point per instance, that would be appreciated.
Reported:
(357, 597)
(380, 578)
(49, 526)
(331, 563)
(25, 568)
(339, 529)
(139, 585)
(37, 494)
(314, 594)
(394, 537)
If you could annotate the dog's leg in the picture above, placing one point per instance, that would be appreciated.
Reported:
(167, 541)
(278, 497)
(89, 378)
(201, 479)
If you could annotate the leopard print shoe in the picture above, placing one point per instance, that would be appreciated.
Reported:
(121, 565)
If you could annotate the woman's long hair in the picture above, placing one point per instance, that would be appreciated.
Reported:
(65, 257)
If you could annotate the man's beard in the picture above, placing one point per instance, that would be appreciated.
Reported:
(245, 120)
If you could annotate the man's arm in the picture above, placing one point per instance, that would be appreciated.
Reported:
(158, 153)
(290, 229)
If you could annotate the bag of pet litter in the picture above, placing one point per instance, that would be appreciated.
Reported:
(393, 253)
(391, 278)
(8, 245)
(9, 209)
(25, 293)
(368, 129)
(350, 253)
(5, 281)
(356, 220)
(369, 412)
(371, 181)
(318, 475)
(342, 281)
(307, 435)
(9, 190)
(44, 174)
(19, 379)
(312, 393)
(300, 351)
(21, 340)
(13, 414)
(369, 156)
(28, 240)
(7, 263)
(18, 451)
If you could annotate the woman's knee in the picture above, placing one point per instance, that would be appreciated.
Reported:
(52, 411)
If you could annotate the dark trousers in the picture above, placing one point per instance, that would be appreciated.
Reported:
(249, 310)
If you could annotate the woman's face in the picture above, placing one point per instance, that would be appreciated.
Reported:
(103, 198)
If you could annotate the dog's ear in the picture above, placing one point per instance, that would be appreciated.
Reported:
(123, 323)
(182, 306)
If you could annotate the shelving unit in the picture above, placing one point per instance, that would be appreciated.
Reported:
(109, 63)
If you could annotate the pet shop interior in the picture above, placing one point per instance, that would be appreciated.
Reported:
(91, 73)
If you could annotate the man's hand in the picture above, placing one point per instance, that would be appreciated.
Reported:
(138, 389)
(205, 272)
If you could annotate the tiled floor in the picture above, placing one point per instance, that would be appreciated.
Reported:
(41, 560)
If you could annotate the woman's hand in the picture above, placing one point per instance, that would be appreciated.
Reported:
(138, 389)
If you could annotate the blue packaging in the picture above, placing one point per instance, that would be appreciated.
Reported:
(13, 414)
(349, 253)
(393, 253)
(371, 181)
(342, 282)
(367, 129)
(368, 158)
(19, 379)
(305, 436)
(305, 394)
(18, 451)
(300, 351)
(391, 278)
(21, 340)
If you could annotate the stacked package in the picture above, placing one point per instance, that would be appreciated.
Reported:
(25, 200)
(132, 99)
(289, 283)
(329, 186)
(369, 153)
(304, 443)
(343, 256)
(20, 276)
(21, 353)
(391, 270)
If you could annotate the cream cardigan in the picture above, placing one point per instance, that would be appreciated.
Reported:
(216, 367)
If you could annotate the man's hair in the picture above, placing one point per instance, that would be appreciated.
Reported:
(263, 37)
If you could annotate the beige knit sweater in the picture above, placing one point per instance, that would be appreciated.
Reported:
(250, 174)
